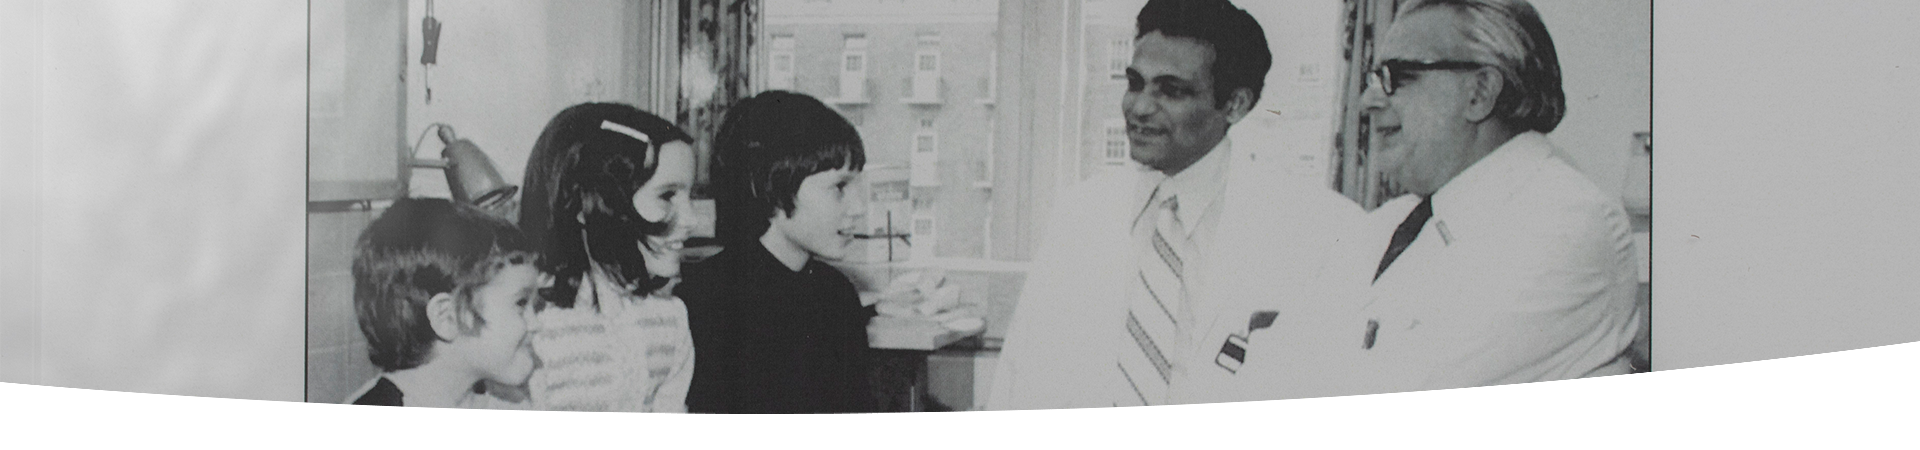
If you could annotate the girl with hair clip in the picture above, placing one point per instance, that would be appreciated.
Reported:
(606, 205)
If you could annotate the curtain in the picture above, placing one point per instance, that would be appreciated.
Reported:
(1353, 173)
(717, 38)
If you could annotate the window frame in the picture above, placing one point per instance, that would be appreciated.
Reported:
(854, 48)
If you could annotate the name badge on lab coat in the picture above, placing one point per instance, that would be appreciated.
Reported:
(1233, 353)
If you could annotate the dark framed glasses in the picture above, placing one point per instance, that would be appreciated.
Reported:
(1385, 74)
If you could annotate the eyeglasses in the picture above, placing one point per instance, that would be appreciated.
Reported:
(1384, 74)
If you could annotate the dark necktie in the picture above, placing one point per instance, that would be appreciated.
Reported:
(1404, 235)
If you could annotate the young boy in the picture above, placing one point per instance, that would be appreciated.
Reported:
(778, 330)
(443, 294)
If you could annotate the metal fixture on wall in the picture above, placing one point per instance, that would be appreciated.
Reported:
(429, 49)
(471, 176)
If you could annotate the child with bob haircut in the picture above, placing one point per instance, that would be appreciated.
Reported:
(780, 331)
(443, 293)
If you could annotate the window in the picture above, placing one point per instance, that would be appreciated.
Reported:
(926, 157)
(925, 234)
(925, 88)
(946, 52)
(889, 209)
(1066, 66)
(780, 67)
(853, 69)
(1116, 153)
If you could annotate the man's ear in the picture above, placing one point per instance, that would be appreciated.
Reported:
(1482, 93)
(1239, 105)
(444, 316)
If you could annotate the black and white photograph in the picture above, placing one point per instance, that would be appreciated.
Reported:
(862, 206)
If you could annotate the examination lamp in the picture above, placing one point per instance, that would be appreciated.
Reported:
(470, 174)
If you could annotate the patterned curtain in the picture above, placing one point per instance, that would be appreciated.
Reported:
(716, 62)
(1353, 173)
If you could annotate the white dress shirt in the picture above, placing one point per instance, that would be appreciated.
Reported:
(1247, 219)
(1524, 273)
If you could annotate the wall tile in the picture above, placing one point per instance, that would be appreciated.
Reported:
(330, 237)
(324, 380)
(330, 316)
(335, 372)
(356, 369)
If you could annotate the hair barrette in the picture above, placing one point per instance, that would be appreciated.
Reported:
(626, 130)
(630, 132)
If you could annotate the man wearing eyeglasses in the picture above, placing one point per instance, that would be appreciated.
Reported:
(1505, 265)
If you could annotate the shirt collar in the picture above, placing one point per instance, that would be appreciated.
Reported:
(1491, 179)
(1198, 186)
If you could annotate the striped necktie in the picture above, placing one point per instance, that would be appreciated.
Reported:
(1157, 306)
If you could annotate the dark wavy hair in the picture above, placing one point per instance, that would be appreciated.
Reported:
(765, 147)
(1240, 55)
(590, 160)
(419, 248)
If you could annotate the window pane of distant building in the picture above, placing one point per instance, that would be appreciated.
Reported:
(1116, 142)
(926, 236)
(926, 159)
(780, 72)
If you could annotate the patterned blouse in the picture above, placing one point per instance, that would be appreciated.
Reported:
(631, 353)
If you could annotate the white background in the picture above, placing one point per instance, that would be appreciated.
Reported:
(152, 183)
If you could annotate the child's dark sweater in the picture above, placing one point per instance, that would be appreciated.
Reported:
(772, 340)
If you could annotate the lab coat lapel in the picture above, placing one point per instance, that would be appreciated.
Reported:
(1432, 270)
(1260, 222)
(1219, 257)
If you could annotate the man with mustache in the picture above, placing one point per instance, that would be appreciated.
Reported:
(1126, 304)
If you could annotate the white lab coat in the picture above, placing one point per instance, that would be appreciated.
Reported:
(1525, 272)
(1060, 347)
